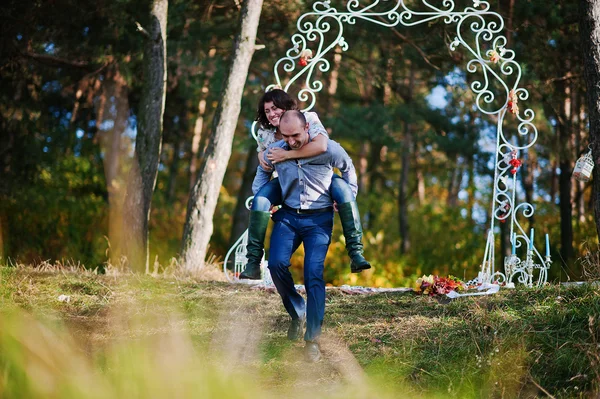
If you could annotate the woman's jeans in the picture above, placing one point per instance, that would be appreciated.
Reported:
(270, 194)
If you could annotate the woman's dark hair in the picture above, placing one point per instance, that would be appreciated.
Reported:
(280, 99)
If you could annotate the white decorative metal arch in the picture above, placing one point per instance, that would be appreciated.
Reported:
(488, 49)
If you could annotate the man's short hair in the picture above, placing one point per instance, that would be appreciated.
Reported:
(293, 115)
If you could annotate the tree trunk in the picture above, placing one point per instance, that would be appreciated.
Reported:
(240, 215)
(403, 191)
(142, 177)
(564, 116)
(333, 79)
(369, 151)
(450, 202)
(113, 106)
(589, 26)
(420, 178)
(564, 179)
(362, 167)
(553, 181)
(509, 24)
(198, 126)
(373, 166)
(578, 136)
(203, 198)
(407, 146)
(454, 183)
(566, 211)
(420, 184)
(471, 188)
(580, 203)
(174, 168)
(363, 179)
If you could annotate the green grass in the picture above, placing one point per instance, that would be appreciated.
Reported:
(141, 336)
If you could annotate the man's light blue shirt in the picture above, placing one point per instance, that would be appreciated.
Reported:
(305, 182)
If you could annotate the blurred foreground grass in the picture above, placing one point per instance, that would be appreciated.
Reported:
(128, 336)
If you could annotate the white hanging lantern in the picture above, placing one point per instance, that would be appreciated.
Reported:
(583, 167)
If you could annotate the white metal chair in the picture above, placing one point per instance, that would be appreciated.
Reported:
(238, 250)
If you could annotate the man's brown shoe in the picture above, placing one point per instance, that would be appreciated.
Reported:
(312, 352)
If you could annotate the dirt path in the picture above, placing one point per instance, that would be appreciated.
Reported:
(240, 329)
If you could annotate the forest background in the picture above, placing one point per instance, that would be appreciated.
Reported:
(71, 85)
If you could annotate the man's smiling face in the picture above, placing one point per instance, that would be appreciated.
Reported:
(294, 133)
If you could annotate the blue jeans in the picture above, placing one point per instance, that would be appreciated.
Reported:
(270, 194)
(340, 190)
(314, 230)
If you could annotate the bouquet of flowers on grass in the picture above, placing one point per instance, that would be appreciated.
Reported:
(433, 285)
